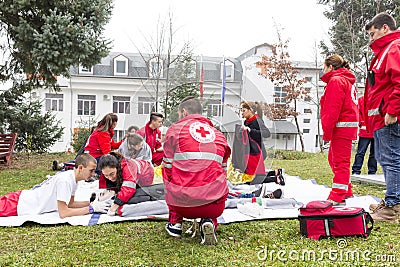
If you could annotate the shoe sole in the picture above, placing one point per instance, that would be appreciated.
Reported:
(209, 234)
(171, 233)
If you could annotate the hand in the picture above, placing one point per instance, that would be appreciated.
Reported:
(100, 206)
(246, 128)
(389, 119)
(112, 211)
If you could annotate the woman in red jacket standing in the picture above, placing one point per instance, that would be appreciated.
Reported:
(339, 118)
(100, 142)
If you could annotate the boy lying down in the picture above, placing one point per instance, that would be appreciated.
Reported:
(55, 194)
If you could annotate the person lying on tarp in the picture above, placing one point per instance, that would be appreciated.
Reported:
(55, 194)
(131, 179)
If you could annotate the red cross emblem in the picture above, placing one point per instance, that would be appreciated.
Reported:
(202, 132)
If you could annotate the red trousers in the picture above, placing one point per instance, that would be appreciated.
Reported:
(339, 159)
(8, 204)
(212, 210)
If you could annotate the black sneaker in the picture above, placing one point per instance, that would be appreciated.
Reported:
(279, 177)
(174, 229)
(274, 195)
(207, 232)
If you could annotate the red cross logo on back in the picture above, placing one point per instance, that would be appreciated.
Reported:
(202, 132)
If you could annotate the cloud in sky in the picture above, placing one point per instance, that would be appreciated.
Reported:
(221, 27)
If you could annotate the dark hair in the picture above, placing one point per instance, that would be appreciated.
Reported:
(191, 104)
(113, 160)
(379, 20)
(337, 62)
(84, 159)
(134, 139)
(130, 128)
(155, 115)
(106, 122)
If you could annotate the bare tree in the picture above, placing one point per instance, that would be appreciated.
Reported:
(283, 73)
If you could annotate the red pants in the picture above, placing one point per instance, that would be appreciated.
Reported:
(212, 210)
(339, 160)
(8, 204)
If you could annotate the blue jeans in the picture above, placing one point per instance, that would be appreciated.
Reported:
(387, 152)
(363, 144)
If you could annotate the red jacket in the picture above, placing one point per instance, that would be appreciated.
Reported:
(152, 137)
(362, 131)
(384, 96)
(339, 112)
(194, 165)
(101, 143)
(134, 172)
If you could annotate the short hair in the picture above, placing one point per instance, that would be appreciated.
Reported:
(191, 104)
(134, 139)
(155, 115)
(379, 20)
(130, 128)
(84, 160)
(337, 62)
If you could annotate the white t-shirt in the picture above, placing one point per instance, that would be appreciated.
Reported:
(43, 198)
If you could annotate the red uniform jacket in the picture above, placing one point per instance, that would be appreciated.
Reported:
(101, 143)
(153, 139)
(339, 111)
(362, 132)
(384, 96)
(194, 165)
(134, 172)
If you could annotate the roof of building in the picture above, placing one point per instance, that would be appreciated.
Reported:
(283, 127)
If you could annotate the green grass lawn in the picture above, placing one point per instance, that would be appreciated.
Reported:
(145, 243)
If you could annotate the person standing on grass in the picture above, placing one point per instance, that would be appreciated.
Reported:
(152, 134)
(382, 101)
(339, 119)
(365, 139)
(55, 194)
(194, 171)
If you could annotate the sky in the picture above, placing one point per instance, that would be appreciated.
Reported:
(220, 27)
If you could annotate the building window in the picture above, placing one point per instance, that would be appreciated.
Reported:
(279, 95)
(308, 79)
(54, 102)
(146, 105)
(307, 110)
(85, 70)
(118, 135)
(306, 130)
(156, 68)
(306, 120)
(275, 136)
(229, 70)
(317, 141)
(214, 110)
(120, 65)
(122, 104)
(286, 136)
(86, 104)
(307, 97)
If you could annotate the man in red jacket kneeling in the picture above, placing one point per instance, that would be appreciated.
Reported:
(194, 171)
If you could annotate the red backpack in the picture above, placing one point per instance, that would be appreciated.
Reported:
(320, 219)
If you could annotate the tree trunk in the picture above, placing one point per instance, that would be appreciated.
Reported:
(298, 127)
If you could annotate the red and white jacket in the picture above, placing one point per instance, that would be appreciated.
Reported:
(152, 137)
(134, 172)
(384, 96)
(362, 131)
(339, 111)
(195, 161)
(101, 143)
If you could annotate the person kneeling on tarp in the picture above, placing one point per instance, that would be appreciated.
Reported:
(55, 194)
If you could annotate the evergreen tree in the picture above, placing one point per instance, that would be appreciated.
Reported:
(347, 35)
(37, 132)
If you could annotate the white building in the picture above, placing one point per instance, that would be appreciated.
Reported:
(126, 84)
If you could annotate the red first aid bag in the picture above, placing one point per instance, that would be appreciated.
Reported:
(320, 219)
